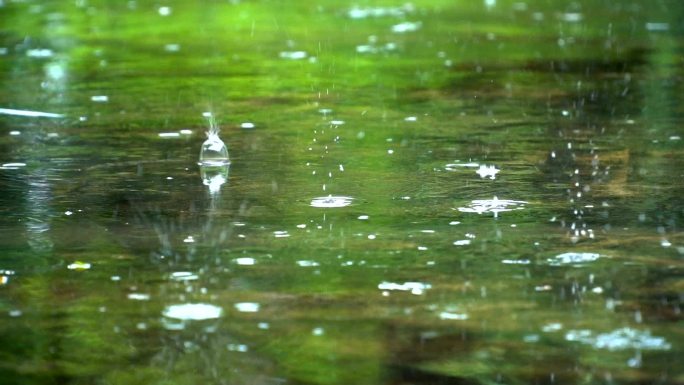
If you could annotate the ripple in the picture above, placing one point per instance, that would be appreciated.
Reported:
(331, 201)
(494, 205)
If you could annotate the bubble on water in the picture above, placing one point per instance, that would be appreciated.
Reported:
(620, 339)
(247, 307)
(214, 152)
(572, 258)
(331, 201)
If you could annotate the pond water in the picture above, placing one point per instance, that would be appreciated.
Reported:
(473, 192)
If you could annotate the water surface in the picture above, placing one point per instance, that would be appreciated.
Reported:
(476, 193)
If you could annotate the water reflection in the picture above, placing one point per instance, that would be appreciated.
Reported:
(214, 177)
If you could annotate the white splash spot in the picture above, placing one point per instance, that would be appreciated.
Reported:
(79, 266)
(139, 296)
(27, 113)
(406, 26)
(304, 263)
(453, 316)
(416, 288)
(331, 201)
(487, 171)
(245, 261)
(237, 348)
(39, 53)
(183, 276)
(192, 311)
(247, 307)
(99, 98)
(293, 55)
(572, 258)
(620, 339)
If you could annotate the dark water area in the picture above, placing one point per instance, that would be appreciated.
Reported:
(440, 192)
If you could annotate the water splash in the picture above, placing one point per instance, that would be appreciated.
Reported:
(494, 205)
(331, 201)
(213, 152)
(487, 171)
